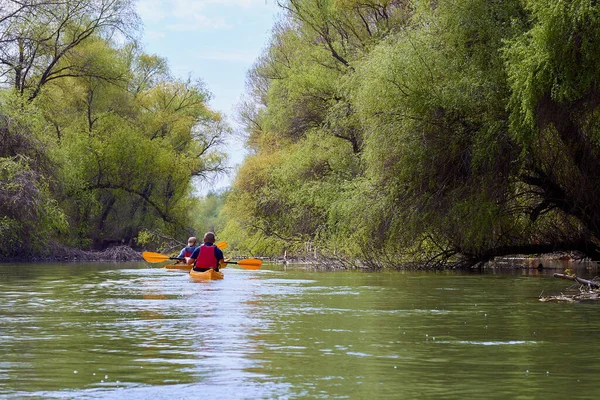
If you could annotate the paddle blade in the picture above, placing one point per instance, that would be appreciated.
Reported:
(250, 263)
(221, 245)
(154, 257)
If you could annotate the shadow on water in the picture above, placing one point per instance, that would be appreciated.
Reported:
(545, 266)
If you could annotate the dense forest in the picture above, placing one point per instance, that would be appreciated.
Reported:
(99, 143)
(385, 133)
(442, 133)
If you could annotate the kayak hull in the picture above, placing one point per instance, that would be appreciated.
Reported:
(211, 274)
(180, 267)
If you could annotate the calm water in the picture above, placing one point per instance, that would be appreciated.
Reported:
(134, 332)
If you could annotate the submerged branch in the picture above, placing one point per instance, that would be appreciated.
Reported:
(591, 284)
(585, 247)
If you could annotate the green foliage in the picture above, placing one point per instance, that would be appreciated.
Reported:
(106, 138)
(304, 129)
(553, 70)
(144, 238)
(29, 216)
(41, 39)
(426, 100)
(207, 213)
(432, 102)
(557, 56)
(136, 174)
(283, 198)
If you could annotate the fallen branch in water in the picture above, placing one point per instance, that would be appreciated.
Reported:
(591, 284)
(591, 294)
(572, 298)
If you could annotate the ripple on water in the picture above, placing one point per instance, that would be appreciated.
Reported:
(204, 388)
(489, 342)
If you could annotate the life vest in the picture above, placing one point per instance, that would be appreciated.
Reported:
(206, 257)
(187, 252)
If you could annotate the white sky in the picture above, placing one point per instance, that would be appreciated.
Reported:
(214, 40)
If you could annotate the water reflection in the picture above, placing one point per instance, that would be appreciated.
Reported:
(121, 327)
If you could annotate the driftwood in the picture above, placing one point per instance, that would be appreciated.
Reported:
(591, 284)
(591, 294)
(573, 298)
(114, 254)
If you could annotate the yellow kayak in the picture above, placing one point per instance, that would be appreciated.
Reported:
(211, 274)
(181, 267)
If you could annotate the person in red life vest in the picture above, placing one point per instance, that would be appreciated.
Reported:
(206, 256)
(187, 251)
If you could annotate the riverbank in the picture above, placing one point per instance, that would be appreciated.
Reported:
(62, 253)
(553, 261)
(550, 261)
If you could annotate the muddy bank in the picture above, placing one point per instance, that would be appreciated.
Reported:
(547, 261)
(551, 261)
(62, 253)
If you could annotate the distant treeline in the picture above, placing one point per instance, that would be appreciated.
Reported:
(438, 132)
(99, 143)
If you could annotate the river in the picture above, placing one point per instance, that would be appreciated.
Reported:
(134, 331)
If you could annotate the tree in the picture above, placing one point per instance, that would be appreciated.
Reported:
(29, 215)
(131, 153)
(553, 72)
(439, 103)
(39, 38)
(112, 142)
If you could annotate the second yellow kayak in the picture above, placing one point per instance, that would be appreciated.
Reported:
(181, 267)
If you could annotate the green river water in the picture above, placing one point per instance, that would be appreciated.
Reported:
(130, 331)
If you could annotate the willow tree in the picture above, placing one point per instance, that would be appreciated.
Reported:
(481, 135)
(437, 150)
(39, 37)
(472, 126)
(304, 132)
(30, 215)
(130, 149)
(419, 92)
(554, 74)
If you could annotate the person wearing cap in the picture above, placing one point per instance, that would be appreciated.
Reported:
(208, 256)
(192, 244)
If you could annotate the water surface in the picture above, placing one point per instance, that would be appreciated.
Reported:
(132, 331)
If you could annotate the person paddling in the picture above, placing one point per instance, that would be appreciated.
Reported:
(192, 244)
(208, 256)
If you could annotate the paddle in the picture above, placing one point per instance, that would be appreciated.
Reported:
(249, 263)
(152, 257)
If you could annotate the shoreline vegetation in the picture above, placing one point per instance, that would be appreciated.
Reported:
(569, 262)
(580, 290)
(546, 261)
(68, 254)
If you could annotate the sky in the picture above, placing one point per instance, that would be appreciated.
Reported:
(216, 41)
